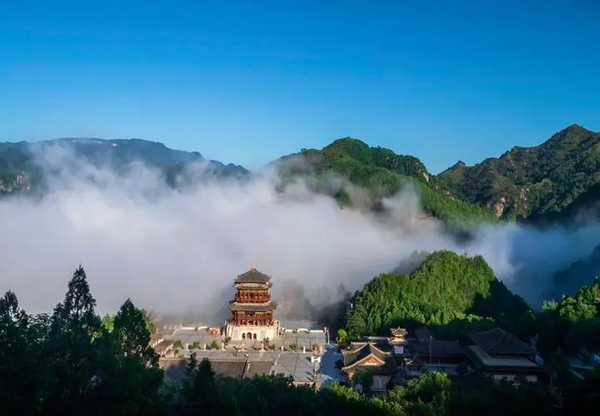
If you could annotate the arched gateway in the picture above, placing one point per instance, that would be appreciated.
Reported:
(252, 310)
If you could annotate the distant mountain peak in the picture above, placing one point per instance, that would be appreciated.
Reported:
(576, 127)
(531, 180)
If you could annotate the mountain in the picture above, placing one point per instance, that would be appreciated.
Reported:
(19, 170)
(382, 173)
(539, 180)
(579, 273)
(445, 290)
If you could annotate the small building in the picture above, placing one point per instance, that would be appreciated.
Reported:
(163, 347)
(502, 356)
(430, 354)
(366, 356)
(252, 310)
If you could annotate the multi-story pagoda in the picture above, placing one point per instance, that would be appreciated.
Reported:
(252, 310)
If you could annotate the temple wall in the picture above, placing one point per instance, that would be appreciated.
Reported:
(261, 332)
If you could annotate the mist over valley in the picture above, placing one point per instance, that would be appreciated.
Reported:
(171, 229)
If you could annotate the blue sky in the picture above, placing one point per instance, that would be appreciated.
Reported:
(248, 81)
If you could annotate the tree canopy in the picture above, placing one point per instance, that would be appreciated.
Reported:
(69, 363)
(448, 290)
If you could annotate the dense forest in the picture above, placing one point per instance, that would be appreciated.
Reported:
(448, 292)
(71, 363)
(382, 173)
(454, 293)
(540, 180)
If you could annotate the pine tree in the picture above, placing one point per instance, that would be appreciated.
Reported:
(132, 335)
(18, 358)
(72, 359)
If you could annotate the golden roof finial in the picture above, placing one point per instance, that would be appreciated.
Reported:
(253, 266)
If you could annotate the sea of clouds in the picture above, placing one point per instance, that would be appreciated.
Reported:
(174, 251)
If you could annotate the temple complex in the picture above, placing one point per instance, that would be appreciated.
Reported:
(252, 310)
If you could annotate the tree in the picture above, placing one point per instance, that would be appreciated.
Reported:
(199, 388)
(19, 359)
(150, 321)
(365, 379)
(342, 336)
(108, 322)
(214, 345)
(133, 387)
(72, 361)
(132, 336)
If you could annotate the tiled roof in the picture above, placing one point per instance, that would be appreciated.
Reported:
(423, 334)
(253, 276)
(354, 358)
(258, 367)
(440, 348)
(500, 364)
(498, 341)
(234, 368)
(259, 307)
(163, 346)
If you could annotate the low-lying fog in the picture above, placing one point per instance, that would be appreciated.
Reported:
(172, 251)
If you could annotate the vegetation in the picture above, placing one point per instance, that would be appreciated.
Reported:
(537, 180)
(69, 363)
(576, 275)
(447, 290)
(571, 324)
(17, 159)
(382, 173)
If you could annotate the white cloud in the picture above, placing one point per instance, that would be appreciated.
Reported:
(172, 251)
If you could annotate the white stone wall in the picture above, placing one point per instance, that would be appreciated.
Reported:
(261, 332)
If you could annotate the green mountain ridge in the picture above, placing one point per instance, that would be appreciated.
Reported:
(445, 290)
(382, 173)
(556, 181)
(579, 273)
(539, 180)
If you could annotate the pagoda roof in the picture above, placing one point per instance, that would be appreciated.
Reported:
(423, 334)
(256, 307)
(440, 348)
(505, 363)
(498, 341)
(253, 276)
(358, 357)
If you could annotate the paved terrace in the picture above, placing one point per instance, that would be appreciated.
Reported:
(302, 338)
(233, 362)
(242, 365)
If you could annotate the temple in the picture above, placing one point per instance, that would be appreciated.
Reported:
(252, 310)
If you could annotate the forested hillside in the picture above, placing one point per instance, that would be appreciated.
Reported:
(572, 323)
(69, 363)
(537, 180)
(382, 173)
(448, 290)
(579, 273)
